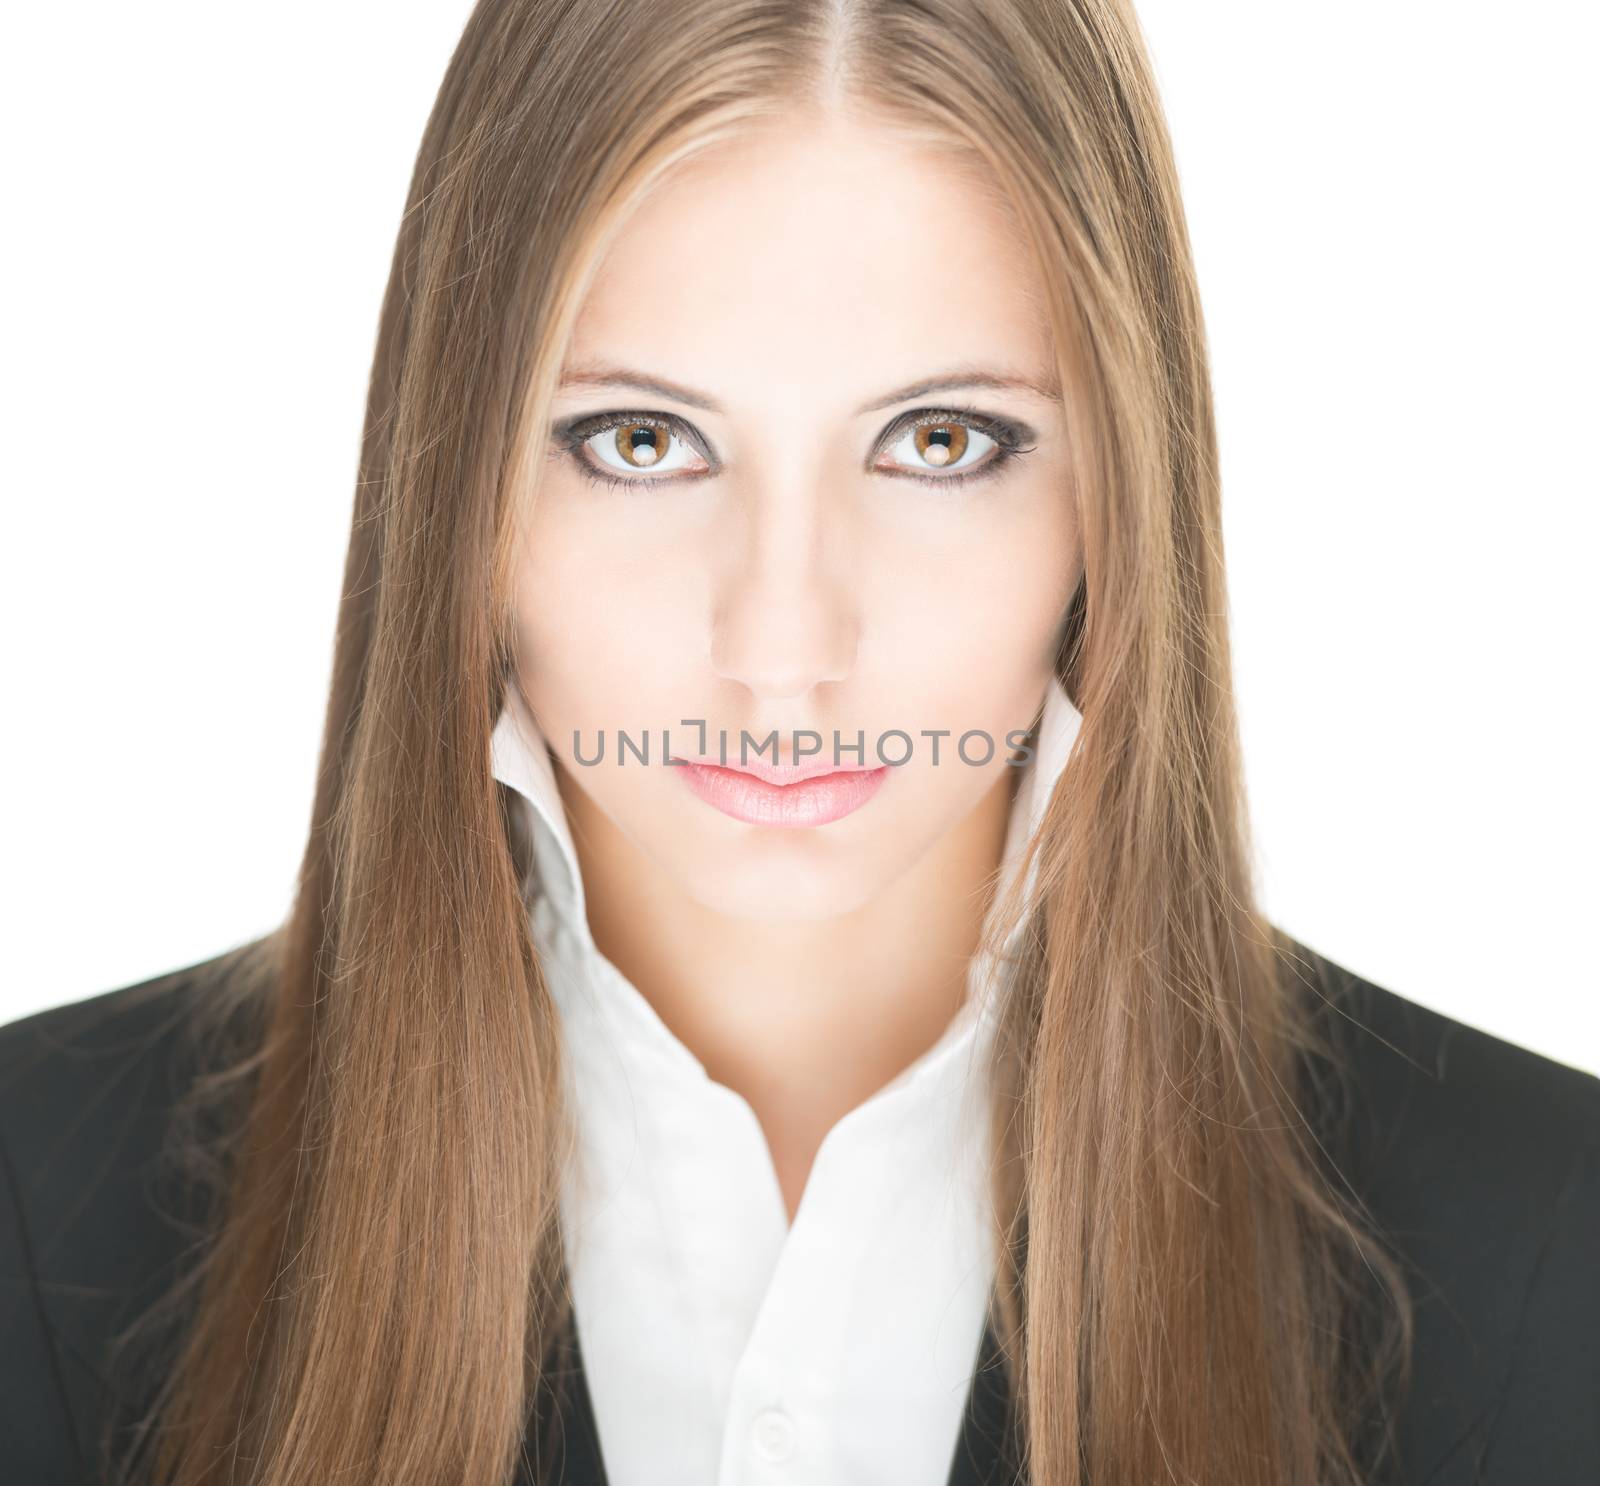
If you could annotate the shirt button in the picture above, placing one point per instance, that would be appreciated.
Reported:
(774, 1435)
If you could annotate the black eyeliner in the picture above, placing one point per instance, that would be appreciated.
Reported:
(1011, 437)
(573, 433)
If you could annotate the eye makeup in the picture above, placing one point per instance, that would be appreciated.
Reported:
(1010, 438)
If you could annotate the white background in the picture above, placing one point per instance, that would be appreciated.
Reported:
(1390, 206)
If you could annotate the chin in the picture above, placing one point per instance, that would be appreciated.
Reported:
(775, 881)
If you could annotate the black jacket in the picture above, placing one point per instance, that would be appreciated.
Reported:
(1480, 1161)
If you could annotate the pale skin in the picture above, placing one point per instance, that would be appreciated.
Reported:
(799, 579)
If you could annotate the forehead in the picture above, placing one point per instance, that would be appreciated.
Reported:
(825, 262)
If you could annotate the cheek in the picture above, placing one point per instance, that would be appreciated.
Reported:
(599, 621)
(980, 610)
(970, 646)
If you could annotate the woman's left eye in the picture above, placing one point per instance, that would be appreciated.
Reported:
(943, 443)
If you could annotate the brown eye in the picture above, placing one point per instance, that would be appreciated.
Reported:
(940, 444)
(642, 445)
(944, 443)
(618, 448)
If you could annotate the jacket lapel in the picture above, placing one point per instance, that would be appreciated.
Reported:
(983, 1456)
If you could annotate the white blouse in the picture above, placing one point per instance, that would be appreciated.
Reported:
(721, 1344)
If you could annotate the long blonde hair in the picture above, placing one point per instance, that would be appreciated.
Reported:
(384, 1284)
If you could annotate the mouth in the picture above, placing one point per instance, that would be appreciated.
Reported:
(814, 793)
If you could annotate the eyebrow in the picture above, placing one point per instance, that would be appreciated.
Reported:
(951, 381)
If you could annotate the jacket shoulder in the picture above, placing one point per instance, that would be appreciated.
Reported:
(76, 1042)
(1477, 1161)
(1459, 1114)
(95, 1224)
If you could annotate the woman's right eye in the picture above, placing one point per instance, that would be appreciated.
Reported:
(632, 450)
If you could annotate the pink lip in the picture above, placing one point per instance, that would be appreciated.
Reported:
(776, 773)
(814, 798)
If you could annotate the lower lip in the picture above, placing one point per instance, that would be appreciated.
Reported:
(810, 802)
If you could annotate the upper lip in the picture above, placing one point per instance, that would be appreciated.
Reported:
(771, 773)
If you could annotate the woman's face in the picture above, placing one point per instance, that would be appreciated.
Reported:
(799, 555)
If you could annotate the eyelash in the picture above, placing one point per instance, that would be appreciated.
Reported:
(1009, 441)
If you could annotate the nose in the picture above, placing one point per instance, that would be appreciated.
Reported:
(786, 617)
